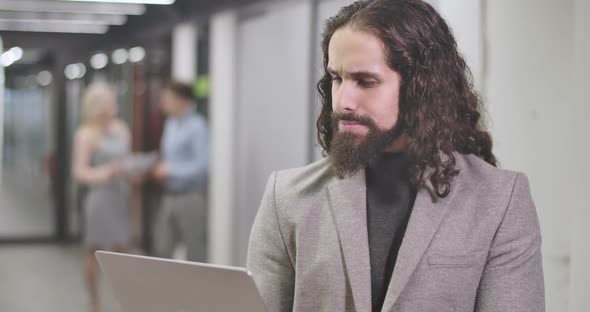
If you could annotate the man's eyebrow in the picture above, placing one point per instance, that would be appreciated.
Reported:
(365, 75)
(357, 74)
(361, 74)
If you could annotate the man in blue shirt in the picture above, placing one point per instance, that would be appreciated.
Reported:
(183, 172)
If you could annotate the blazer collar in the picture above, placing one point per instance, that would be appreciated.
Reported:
(347, 197)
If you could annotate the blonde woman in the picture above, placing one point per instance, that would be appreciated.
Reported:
(100, 145)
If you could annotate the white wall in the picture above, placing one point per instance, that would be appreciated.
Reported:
(272, 104)
(465, 19)
(580, 247)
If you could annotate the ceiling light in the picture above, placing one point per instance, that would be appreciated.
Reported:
(99, 61)
(72, 7)
(162, 2)
(75, 71)
(119, 56)
(54, 27)
(136, 54)
(9, 57)
(17, 52)
(65, 18)
(44, 78)
(6, 59)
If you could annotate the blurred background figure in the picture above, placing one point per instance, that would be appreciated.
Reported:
(100, 146)
(183, 172)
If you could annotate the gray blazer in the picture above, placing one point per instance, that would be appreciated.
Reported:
(478, 249)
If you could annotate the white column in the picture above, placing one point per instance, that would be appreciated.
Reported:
(2, 83)
(580, 247)
(222, 120)
(184, 52)
(184, 60)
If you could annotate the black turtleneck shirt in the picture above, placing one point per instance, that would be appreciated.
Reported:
(390, 199)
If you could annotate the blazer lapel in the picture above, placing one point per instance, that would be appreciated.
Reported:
(426, 216)
(349, 205)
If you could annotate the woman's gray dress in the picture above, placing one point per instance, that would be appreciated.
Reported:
(106, 207)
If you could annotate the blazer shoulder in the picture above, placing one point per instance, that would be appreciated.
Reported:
(476, 171)
(492, 186)
(305, 180)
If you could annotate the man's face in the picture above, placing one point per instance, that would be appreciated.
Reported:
(363, 83)
(365, 100)
(170, 103)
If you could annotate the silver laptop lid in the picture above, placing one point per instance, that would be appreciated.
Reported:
(146, 284)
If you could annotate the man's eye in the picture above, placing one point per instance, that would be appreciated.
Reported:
(336, 78)
(367, 83)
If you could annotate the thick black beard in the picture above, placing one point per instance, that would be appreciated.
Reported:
(350, 152)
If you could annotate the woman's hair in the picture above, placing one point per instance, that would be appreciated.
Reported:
(181, 89)
(439, 109)
(94, 103)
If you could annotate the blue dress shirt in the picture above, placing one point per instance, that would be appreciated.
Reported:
(185, 148)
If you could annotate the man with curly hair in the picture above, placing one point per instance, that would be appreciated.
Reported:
(408, 211)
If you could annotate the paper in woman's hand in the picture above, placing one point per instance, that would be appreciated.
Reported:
(138, 164)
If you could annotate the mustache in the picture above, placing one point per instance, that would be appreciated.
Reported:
(363, 120)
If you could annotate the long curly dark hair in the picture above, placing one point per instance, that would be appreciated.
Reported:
(439, 108)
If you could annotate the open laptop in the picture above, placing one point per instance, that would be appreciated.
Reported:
(145, 284)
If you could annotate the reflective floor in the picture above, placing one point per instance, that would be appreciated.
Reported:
(45, 278)
(26, 208)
